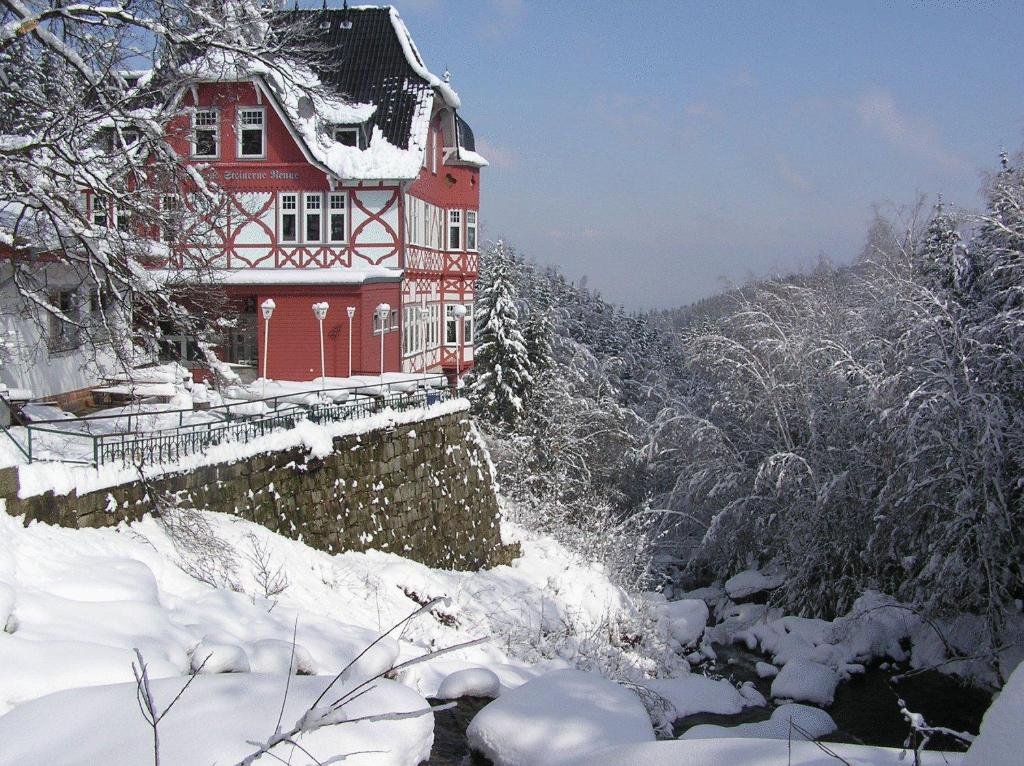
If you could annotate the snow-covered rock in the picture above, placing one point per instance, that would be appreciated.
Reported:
(750, 582)
(217, 657)
(694, 693)
(471, 682)
(766, 670)
(685, 620)
(558, 717)
(1001, 739)
(753, 752)
(753, 697)
(806, 681)
(816, 723)
(213, 722)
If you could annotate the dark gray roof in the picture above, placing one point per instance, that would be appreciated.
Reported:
(466, 140)
(365, 62)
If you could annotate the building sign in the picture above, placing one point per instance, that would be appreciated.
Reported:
(260, 175)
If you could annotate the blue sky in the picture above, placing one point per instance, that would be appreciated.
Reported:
(664, 149)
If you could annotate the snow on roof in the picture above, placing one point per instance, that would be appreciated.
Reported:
(288, 276)
(468, 156)
(378, 79)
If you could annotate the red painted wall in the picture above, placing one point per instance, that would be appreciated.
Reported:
(453, 186)
(295, 334)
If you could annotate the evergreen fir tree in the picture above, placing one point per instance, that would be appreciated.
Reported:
(944, 261)
(1000, 241)
(539, 333)
(501, 377)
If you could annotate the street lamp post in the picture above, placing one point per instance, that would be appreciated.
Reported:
(383, 311)
(268, 307)
(459, 311)
(351, 310)
(320, 310)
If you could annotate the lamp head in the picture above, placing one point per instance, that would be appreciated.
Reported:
(268, 307)
(459, 310)
(320, 309)
(351, 311)
(384, 308)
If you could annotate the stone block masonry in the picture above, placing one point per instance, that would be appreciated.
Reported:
(422, 490)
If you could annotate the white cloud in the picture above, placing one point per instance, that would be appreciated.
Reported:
(879, 112)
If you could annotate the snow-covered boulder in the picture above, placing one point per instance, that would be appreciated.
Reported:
(694, 693)
(816, 723)
(807, 681)
(685, 620)
(214, 722)
(753, 697)
(471, 682)
(217, 657)
(751, 582)
(272, 655)
(557, 717)
(1001, 739)
(753, 752)
(766, 670)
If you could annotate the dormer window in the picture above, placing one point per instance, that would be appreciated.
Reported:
(205, 134)
(347, 136)
(252, 133)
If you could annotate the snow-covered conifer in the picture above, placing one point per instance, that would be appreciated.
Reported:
(501, 371)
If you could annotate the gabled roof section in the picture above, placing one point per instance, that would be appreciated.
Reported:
(371, 59)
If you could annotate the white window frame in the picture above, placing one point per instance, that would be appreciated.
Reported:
(282, 212)
(240, 127)
(470, 325)
(349, 129)
(105, 210)
(432, 148)
(449, 317)
(332, 211)
(454, 220)
(317, 210)
(433, 326)
(471, 225)
(216, 133)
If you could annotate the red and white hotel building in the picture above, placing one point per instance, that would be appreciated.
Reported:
(376, 203)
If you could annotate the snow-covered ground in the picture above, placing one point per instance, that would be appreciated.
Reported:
(244, 606)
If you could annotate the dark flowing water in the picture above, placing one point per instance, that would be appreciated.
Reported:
(866, 709)
(450, 745)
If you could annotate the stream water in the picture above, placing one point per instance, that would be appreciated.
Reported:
(866, 708)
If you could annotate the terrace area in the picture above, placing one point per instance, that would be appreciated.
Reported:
(164, 422)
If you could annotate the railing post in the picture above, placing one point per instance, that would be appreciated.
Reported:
(29, 431)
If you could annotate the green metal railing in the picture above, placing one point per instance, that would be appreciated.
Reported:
(228, 423)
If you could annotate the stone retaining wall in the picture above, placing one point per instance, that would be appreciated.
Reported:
(422, 490)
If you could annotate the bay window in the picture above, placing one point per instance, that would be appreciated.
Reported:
(471, 230)
(454, 229)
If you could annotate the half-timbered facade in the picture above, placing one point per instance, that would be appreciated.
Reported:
(365, 199)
